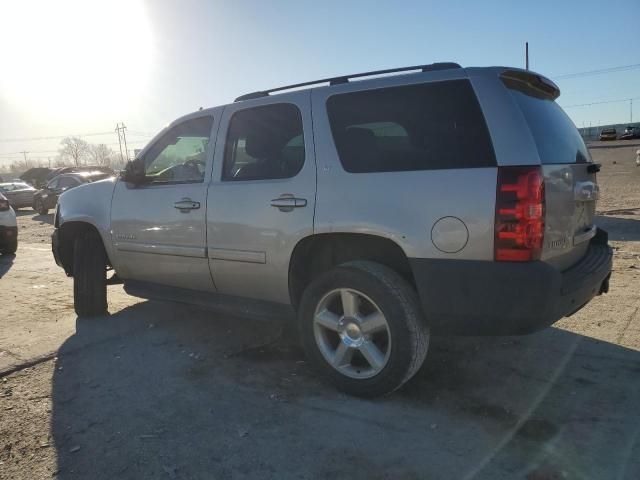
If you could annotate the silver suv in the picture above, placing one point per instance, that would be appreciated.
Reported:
(437, 200)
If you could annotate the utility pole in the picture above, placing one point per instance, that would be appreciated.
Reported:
(25, 159)
(526, 55)
(631, 109)
(122, 138)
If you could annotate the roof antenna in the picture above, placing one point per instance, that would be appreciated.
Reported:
(526, 55)
(200, 109)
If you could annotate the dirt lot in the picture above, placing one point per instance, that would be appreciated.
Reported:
(160, 390)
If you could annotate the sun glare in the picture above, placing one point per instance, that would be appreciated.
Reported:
(73, 58)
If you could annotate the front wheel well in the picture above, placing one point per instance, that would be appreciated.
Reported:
(67, 234)
(319, 253)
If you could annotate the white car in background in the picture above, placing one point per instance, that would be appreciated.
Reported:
(8, 228)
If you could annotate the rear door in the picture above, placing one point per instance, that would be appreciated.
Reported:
(571, 189)
(261, 200)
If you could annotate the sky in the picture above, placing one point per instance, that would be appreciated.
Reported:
(81, 66)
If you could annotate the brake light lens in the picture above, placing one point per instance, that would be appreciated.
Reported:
(519, 227)
(4, 205)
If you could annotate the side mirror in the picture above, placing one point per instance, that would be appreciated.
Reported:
(134, 171)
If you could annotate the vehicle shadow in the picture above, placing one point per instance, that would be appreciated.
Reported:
(48, 218)
(6, 262)
(160, 390)
(44, 218)
(620, 229)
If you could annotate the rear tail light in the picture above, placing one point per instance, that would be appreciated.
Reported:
(4, 205)
(519, 228)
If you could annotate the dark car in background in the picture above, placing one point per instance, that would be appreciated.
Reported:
(79, 169)
(47, 198)
(630, 133)
(608, 134)
(19, 194)
(36, 176)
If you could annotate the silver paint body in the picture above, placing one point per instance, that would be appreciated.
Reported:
(8, 217)
(238, 243)
(18, 197)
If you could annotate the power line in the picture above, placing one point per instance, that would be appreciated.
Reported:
(602, 102)
(621, 68)
(31, 139)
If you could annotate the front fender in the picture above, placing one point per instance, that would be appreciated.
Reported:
(89, 203)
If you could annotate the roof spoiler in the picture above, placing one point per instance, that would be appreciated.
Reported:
(530, 83)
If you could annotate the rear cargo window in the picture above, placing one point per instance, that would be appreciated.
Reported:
(430, 126)
(556, 136)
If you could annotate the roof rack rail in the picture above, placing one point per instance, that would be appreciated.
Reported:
(345, 78)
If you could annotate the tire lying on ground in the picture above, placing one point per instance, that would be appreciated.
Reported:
(362, 328)
(89, 276)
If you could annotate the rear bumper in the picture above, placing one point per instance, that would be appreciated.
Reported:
(502, 298)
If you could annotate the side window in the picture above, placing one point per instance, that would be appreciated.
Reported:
(67, 182)
(179, 155)
(53, 184)
(264, 143)
(429, 126)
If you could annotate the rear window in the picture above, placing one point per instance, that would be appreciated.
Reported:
(556, 137)
(430, 126)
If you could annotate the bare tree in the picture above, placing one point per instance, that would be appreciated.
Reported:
(101, 154)
(21, 165)
(75, 148)
(60, 161)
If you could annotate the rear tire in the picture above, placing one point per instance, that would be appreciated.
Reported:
(40, 207)
(89, 276)
(400, 338)
(10, 247)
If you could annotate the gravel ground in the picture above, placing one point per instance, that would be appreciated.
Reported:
(161, 390)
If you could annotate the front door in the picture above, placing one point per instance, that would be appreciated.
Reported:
(262, 196)
(158, 228)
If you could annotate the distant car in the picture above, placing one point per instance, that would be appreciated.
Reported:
(8, 228)
(81, 168)
(36, 176)
(47, 198)
(19, 194)
(630, 133)
(608, 134)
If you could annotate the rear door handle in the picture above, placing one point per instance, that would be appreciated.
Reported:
(186, 204)
(287, 203)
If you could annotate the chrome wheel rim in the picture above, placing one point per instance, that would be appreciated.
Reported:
(352, 333)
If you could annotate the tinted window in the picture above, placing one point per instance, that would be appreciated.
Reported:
(179, 155)
(556, 137)
(264, 143)
(53, 184)
(67, 182)
(418, 127)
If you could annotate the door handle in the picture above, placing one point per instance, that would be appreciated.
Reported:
(288, 202)
(186, 204)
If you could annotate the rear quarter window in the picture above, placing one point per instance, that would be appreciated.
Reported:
(430, 126)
